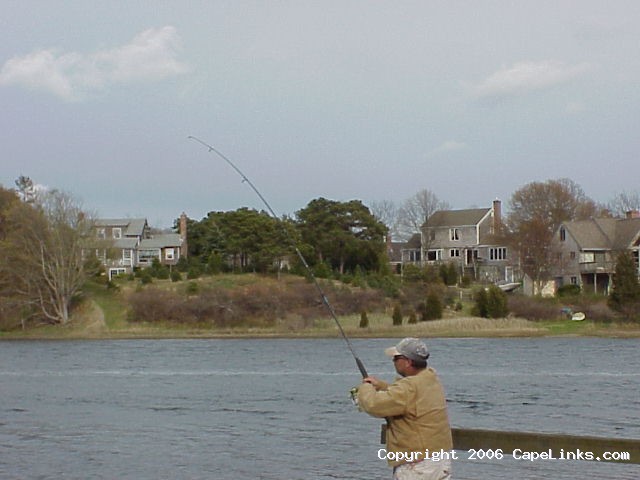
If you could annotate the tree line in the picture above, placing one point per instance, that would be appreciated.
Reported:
(45, 235)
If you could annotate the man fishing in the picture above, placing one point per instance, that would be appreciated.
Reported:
(418, 435)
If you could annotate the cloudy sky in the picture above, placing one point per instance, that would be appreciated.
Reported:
(369, 100)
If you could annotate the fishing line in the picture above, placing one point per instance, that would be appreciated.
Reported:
(324, 298)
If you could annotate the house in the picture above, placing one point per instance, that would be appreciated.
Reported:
(469, 239)
(403, 253)
(127, 243)
(586, 250)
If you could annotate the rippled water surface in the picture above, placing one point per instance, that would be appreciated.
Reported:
(279, 409)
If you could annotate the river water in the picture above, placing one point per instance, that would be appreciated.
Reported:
(279, 409)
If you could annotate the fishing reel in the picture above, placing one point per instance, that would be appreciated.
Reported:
(353, 394)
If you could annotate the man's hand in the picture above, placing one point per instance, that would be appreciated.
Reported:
(377, 384)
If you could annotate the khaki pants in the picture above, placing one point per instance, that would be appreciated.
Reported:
(424, 470)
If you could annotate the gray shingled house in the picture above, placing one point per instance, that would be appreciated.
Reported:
(586, 250)
(469, 239)
(127, 243)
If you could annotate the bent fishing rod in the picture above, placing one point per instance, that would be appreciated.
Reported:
(324, 298)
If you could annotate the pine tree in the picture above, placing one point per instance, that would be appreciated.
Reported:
(397, 315)
(625, 295)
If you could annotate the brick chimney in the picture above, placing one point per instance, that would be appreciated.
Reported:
(183, 235)
(497, 217)
(633, 214)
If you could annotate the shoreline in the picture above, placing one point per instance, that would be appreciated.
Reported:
(467, 327)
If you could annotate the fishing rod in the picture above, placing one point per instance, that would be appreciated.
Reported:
(324, 298)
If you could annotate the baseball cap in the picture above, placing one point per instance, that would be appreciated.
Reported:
(410, 347)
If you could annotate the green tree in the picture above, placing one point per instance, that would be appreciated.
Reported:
(344, 234)
(625, 295)
(251, 240)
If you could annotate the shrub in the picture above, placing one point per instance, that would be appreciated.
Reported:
(497, 303)
(145, 277)
(397, 315)
(364, 320)
(448, 273)
(433, 307)
(194, 272)
(625, 296)
(176, 276)
(412, 318)
(192, 288)
(568, 291)
(533, 308)
(481, 305)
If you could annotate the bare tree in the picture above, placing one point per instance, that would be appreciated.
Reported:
(624, 202)
(536, 212)
(415, 211)
(385, 211)
(44, 247)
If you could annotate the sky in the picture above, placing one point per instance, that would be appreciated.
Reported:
(341, 99)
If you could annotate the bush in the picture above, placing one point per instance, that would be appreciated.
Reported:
(449, 273)
(412, 318)
(625, 295)
(145, 277)
(568, 291)
(194, 272)
(364, 320)
(175, 276)
(192, 288)
(397, 315)
(433, 307)
(481, 305)
(533, 308)
(497, 303)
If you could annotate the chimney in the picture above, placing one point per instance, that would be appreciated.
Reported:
(497, 217)
(183, 235)
(633, 214)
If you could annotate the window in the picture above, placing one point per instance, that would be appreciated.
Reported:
(454, 233)
(587, 257)
(498, 253)
(126, 256)
(574, 280)
(101, 233)
(169, 253)
(563, 234)
(454, 252)
(572, 255)
(147, 256)
(434, 255)
(116, 233)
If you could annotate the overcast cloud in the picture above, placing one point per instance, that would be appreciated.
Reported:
(341, 99)
(150, 56)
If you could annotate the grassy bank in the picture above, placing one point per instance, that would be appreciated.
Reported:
(105, 315)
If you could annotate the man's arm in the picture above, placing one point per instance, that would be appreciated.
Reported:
(387, 402)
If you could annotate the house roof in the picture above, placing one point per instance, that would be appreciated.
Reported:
(604, 233)
(134, 226)
(125, 243)
(457, 218)
(162, 241)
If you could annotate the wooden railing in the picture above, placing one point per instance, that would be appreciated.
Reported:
(548, 445)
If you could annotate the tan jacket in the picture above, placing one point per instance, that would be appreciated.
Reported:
(416, 412)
